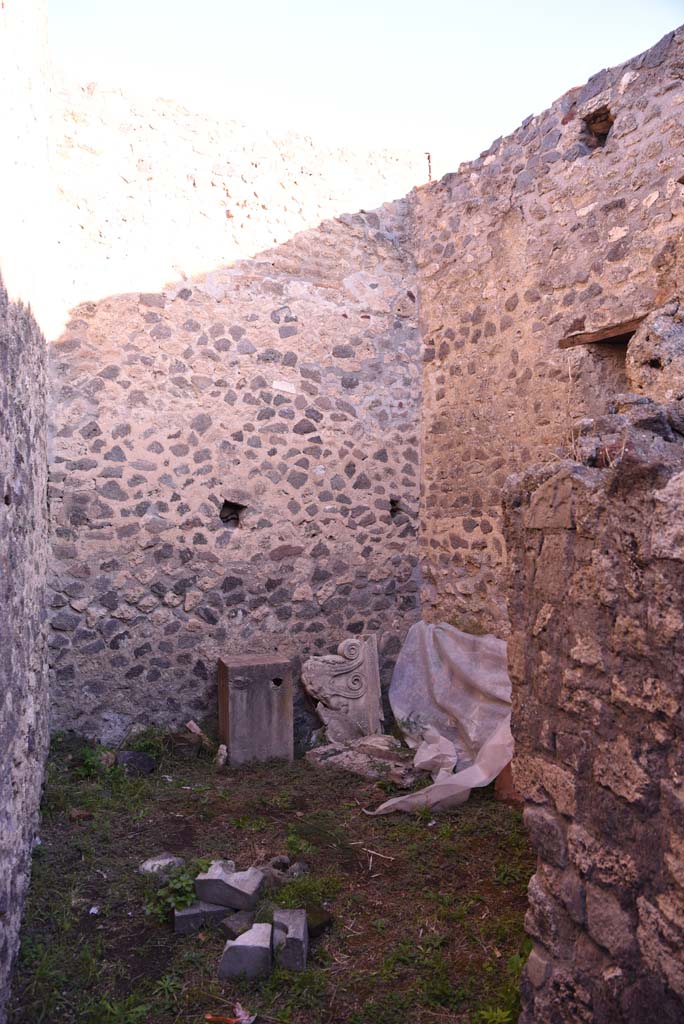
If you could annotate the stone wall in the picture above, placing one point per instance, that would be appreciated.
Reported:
(23, 655)
(278, 370)
(596, 656)
(24, 254)
(570, 225)
(287, 386)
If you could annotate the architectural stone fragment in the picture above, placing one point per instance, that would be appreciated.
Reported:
(249, 955)
(347, 688)
(196, 916)
(290, 939)
(224, 885)
(160, 865)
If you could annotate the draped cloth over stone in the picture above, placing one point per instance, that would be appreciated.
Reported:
(451, 696)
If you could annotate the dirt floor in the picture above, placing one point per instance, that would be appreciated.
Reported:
(427, 909)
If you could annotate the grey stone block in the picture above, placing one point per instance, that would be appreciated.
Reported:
(196, 916)
(237, 924)
(222, 884)
(249, 955)
(135, 762)
(281, 862)
(298, 870)
(256, 709)
(290, 939)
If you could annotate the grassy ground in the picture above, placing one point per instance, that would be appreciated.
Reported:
(428, 911)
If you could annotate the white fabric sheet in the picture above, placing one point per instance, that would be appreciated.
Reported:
(451, 695)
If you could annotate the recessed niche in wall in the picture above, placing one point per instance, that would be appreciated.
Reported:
(614, 334)
(597, 126)
(398, 513)
(231, 514)
(606, 371)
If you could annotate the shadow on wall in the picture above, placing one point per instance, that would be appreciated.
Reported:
(234, 469)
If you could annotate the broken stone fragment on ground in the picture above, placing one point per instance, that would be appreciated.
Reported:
(234, 925)
(160, 865)
(298, 870)
(135, 762)
(376, 758)
(249, 955)
(196, 916)
(222, 884)
(290, 939)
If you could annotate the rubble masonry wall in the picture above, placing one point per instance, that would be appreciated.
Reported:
(596, 550)
(23, 651)
(541, 237)
(288, 385)
(238, 336)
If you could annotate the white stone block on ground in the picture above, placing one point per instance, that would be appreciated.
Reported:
(222, 884)
(249, 955)
(161, 864)
(290, 939)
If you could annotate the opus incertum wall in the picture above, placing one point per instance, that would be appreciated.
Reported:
(235, 470)
(23, 652)
(24, 255)
(571, 224)
(235, 407)
(597, 663)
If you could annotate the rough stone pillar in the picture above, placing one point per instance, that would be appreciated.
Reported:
(597, 662)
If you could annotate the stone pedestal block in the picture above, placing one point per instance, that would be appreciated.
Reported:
(255, 709)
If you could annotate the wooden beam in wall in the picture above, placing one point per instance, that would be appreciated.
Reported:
(613, 332)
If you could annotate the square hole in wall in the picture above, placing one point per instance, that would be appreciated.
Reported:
(597, 126)
(231, 514)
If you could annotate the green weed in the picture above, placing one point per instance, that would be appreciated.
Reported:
(177, 893)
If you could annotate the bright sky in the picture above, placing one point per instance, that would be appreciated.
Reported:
(444, 75)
